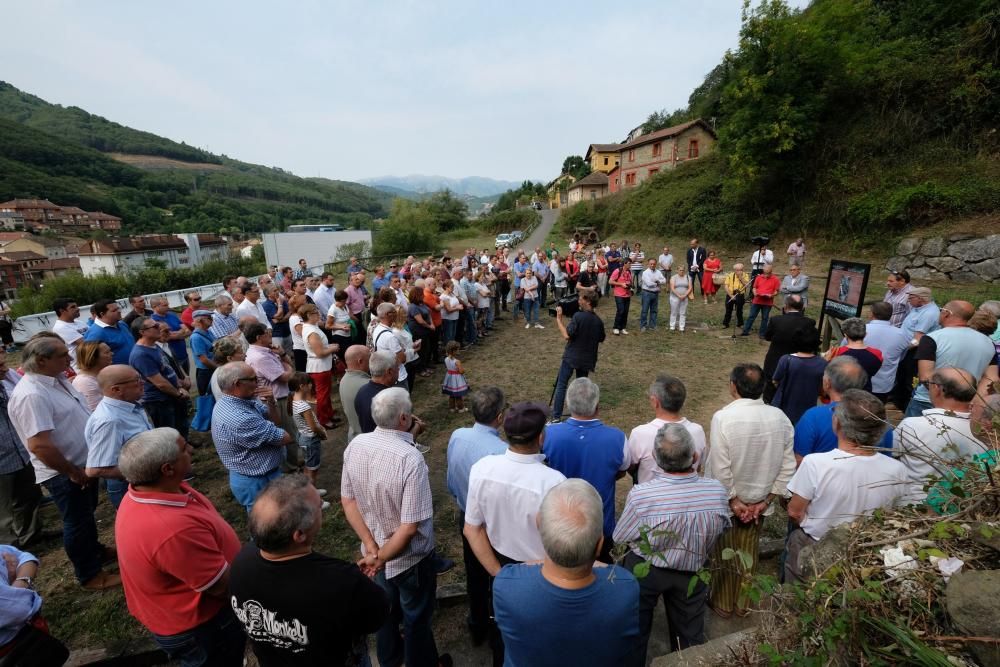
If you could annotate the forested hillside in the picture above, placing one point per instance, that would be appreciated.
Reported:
(854, 119)
(59, 153)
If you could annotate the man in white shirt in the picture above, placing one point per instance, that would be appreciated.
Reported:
(251, 306)
(836, 487)
(759, 258)
(323, 294)
(505, 494)
(929, 444)
(67, 328)
(666, 397)
(751, 454)
(666, 261)
(384, 340)
(651, 281)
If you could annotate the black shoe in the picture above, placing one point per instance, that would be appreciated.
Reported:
(442, 565)
(745, 333)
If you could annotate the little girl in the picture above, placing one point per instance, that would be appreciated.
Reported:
(454, 386)
(311, 433)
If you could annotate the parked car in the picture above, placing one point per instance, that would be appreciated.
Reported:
(516, 236)
(504, 241)
(537, 205)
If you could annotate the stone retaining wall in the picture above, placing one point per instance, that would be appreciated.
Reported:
(961, 258)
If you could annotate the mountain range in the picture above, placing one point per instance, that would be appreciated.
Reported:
(475, 186)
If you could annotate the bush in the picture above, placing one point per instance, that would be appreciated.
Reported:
(87, 290)
(506, 221)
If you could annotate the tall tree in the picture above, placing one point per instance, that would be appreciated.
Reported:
(576, 166)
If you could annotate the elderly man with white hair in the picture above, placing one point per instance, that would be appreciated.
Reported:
(386, 494)
(384, 340)
(246, 431)
(590, 614)
(224, 323)
(685, 515)
(175, 552)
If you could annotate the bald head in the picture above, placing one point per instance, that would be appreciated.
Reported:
(960, 310)
(357, 357)
(286, 515)
(954, 384)
(115, 374)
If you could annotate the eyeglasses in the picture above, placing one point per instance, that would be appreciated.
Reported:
(136, 380)
(151, 326)
(928, 383)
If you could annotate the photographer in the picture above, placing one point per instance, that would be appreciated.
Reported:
(583, 334)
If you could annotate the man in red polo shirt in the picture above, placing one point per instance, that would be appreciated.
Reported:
(175, 550)
(765, 286)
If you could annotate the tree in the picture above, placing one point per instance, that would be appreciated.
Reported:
(447, 210)
(409, 228)
(576, 166)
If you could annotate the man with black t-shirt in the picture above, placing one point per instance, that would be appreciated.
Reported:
(583, 334)
(299, 607)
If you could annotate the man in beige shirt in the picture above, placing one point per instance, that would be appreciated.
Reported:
(751, 453)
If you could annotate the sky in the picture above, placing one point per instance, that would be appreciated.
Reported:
(353, 90)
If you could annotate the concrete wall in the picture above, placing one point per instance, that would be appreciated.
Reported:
(960, 258)
(318, 248)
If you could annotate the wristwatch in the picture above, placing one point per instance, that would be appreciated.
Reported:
(27, 580)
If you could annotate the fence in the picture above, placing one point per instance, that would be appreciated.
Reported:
(27, 326)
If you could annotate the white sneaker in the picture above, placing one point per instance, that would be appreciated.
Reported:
(325, 505)
(321, 492)
(624, 332)
(615, 331)
(528, 325)
(539, 326)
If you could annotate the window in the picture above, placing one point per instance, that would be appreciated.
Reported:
(693, 148)
(605, 160)
(652, 172)
(630, 178)
(657, 150)
(631, 156)
(593, 194)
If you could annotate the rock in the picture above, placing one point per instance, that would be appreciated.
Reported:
(897, 263)
(908, 246)
(979, 534)
(815, 559)
(945, 264)
(933, 246)
(976, 250)
(713, 652)
(971, 598)
(917, 260)
(960, 236)
(988, 270)
(921, 273)
(965, 277)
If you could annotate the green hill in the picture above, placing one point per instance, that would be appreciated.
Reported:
(75, 158)
(854, 120)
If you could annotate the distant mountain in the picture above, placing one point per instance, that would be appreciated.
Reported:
(399, 192)
(476, 186)
(75, 158)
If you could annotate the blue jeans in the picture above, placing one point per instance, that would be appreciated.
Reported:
(562, 382)
(170, 413)
(765, 316)
(490, 314)
(449, 330)
(411, 597)
(531, 311)
(218, 641)
(916, 407)
(650, 306)
(246, 489)
(621, 311)
(76, 506)
(470, 325)
(117, 488)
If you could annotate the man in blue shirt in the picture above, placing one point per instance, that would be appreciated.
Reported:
(814, 430)
(520, 266)
(202, 340)
(584, 447)
(466, 446)
(541, 269)
(245, 432)
(566, 611)
(117, 418)
(164, 395)
(108, 328)
(179, 331)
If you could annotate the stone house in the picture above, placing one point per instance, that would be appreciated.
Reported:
(592, 186)
(648, 154)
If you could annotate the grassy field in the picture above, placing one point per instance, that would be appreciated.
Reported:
(524, 364)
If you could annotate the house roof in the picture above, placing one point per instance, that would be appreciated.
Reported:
(44, 241)
(7, 237)
(559, 178)
(601, 148)
(21, 255)
(63, 263)
(72, 210)
(210, 239)
(666, 133)
(593, 178)
(29, 203)
(101, 215)
(131, 244)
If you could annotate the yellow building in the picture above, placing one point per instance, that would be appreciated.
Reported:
(558, 190)
(603, 157)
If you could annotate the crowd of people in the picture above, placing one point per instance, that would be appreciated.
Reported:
(107, 404)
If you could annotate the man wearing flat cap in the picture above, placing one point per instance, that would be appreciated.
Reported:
(505, 494)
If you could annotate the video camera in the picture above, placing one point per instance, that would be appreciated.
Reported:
(761, 240)
(569, 304)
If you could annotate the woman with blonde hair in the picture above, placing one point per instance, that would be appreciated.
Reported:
(410, 347)
(91, 357)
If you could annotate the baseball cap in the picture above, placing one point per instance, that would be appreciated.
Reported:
(202, 313)
(526, 420)
(922, 292)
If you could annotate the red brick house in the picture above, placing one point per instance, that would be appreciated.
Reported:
(648, 154)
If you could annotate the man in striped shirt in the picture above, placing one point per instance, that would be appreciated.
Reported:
(685, 515)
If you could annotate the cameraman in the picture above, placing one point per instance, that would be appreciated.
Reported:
(583, 334)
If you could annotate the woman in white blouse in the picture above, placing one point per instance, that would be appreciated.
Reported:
(319, 362)
(529, 283)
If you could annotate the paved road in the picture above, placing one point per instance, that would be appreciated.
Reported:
(541, 232)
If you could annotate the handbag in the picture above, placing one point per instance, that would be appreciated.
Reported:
(719, 278)
(519, 294)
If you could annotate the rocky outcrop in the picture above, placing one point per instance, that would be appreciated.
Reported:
(972, 606)
(960, 258)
